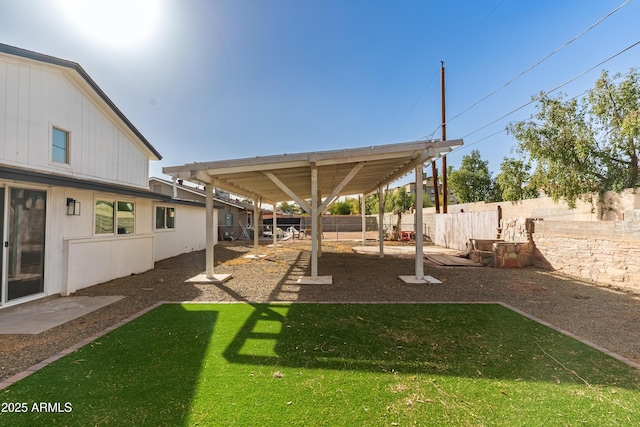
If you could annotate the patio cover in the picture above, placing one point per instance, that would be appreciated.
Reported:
(321, 176)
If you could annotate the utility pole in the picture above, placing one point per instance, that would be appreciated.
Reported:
(436, 189)
(445, 193)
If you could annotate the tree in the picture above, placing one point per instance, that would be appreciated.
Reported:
(472, 182)
(585, 146)
(399, 202)
(340, 208)
(371, 204)
(290, 208)
(514, 180)
(355, 205)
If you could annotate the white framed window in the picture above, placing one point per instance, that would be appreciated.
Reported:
(165, 217)
(114, 217)
(59, 145)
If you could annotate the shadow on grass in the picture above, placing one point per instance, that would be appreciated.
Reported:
(462, 340)
(144, 373)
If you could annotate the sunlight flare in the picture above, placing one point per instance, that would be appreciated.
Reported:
(119, 24)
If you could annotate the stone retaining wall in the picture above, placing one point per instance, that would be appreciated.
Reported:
(605, 253)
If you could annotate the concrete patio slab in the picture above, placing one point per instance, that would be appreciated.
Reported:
(413, 280)
(36, 317)
(320, 280)
(203, 279)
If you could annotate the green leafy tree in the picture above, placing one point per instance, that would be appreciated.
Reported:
(355, 205)
(585, 146)
(340, 208)
(472, 182)
(371, 204)
(399, 202)
(514, 180)
(290, 208)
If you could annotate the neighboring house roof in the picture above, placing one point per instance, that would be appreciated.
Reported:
(199, 193)
(12, 50)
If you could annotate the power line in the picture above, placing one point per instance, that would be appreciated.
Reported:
(436, 72)
(474, 30)
(414, 105)
(555, 88)
(541, 60)
(634, 69)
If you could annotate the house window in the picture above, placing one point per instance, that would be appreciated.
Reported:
(104, 217)
(165, 217)
(114, 215)
(126, 217)
(59, 146)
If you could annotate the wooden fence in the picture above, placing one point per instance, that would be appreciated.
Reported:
(454, 230)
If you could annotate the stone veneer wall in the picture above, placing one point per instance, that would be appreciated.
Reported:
(605, 253)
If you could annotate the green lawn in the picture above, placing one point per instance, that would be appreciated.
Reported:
(333, 365)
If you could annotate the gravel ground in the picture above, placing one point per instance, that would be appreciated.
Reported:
(603, 316)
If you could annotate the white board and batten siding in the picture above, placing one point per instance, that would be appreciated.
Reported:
(34, 97)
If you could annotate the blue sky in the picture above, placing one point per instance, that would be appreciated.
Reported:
(212, 80)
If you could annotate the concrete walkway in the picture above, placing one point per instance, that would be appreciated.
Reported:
(38, 316)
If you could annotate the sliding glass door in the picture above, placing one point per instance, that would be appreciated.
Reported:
(24, 245)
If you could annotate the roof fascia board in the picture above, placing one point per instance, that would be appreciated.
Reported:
(65, 181)
(285, 161)
(234, 166)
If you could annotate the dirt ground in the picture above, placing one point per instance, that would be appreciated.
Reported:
(607, 317)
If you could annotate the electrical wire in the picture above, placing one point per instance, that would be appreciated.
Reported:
(541, 60)
(436, 72)
(555, 88)
(414, 104)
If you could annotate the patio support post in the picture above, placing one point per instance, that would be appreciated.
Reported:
(175, 189)
(319, 232)
(256, 216)
(208, 191)
(418, 224)
(275, 224)
(314, 221)
(364, 219)
(380, 222)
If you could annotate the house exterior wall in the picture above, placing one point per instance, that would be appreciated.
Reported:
(103, 149)
(187, 236)
(74, 256)
(34, 97)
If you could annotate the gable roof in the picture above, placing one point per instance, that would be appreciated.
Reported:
(16, 51)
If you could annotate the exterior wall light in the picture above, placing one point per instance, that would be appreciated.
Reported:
(73, 206)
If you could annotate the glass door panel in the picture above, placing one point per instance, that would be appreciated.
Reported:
(26, 232)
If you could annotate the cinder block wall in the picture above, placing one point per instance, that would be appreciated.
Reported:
(605, 253)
